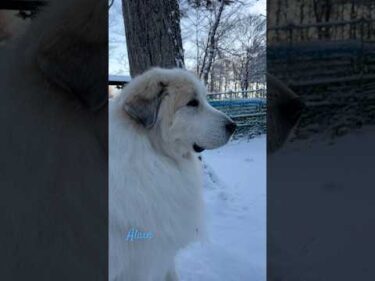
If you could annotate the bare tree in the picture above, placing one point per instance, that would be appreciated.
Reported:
(209, 55)
(153, 34)
(228, 53)
(243, 43)
(252, 34)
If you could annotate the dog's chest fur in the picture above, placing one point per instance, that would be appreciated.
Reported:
(151, 193)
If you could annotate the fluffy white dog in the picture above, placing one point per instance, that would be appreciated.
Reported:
(156, 128)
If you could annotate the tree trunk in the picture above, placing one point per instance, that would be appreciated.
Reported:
(153, 34)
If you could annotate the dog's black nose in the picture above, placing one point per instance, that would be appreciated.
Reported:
(231, 127)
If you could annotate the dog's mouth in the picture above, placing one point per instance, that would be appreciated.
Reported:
(197, 148)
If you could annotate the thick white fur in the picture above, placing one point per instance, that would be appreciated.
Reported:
(155, 177)
(53, 149)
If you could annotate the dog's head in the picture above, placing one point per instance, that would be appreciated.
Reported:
(171, 106)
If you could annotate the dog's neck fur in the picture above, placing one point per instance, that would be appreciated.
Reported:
(164, 145)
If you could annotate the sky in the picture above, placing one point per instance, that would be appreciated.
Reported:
(118, 61)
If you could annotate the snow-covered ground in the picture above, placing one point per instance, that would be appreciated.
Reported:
(321, 208)
(235, 197)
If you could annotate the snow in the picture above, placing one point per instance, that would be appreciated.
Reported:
(259, 7)
(235, 199)
(322, 197)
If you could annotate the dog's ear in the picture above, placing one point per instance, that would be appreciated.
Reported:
(72, 53)
(145, 108)
(143, 111)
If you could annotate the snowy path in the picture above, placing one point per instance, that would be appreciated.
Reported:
(235, 197)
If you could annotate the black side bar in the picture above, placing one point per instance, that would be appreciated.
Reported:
(21, 5)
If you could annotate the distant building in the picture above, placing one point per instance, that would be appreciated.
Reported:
(116, 83)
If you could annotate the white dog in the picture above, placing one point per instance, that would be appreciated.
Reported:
(156, 128)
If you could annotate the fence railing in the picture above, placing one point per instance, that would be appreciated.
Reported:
(258, 93)
(334, 52)
(121, 80)
(357, 29)
(118, 80)
(249, 114)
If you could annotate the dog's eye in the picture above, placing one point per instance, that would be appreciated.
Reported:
(193, 102)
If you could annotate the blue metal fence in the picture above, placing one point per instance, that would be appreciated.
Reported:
(249, 114)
